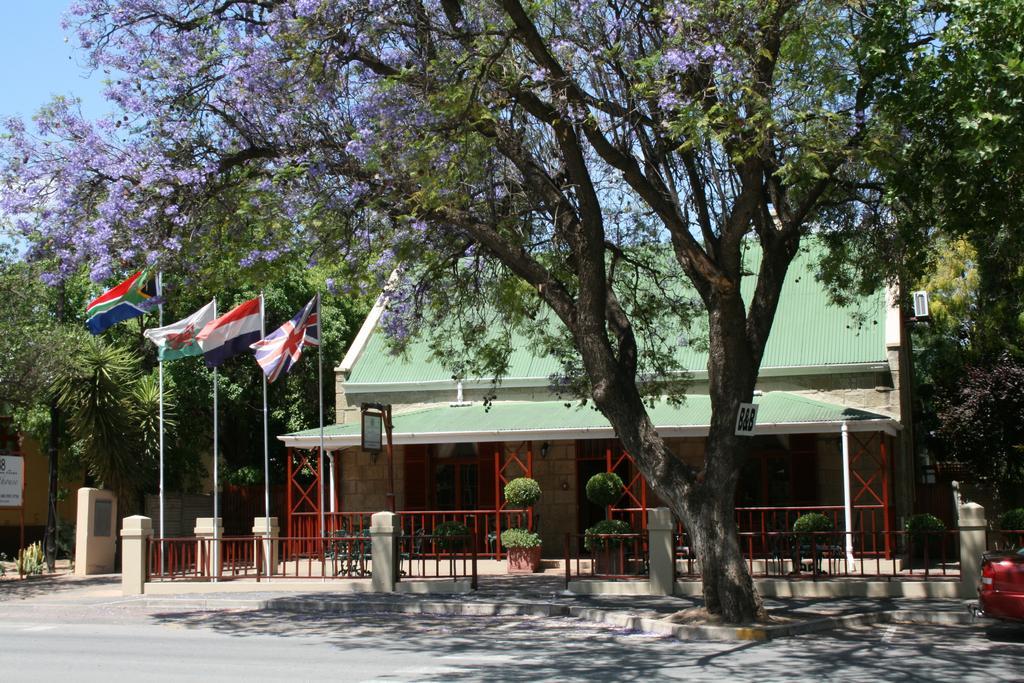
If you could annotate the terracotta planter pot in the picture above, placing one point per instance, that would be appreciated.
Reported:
(608, 560)
(523, 560)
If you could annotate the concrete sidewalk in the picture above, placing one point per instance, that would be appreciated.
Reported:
(534, 595)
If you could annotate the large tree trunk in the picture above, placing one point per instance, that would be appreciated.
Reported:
(705, 499)
(728, 588)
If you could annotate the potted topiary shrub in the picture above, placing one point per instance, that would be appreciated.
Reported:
(607, 552)
(1012, 526)
(605, 488)
(522, 545)
(810, 543)
(522, 492)
(925, 534)
(523, 549)
(451, 536)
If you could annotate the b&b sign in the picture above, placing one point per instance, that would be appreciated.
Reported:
(746, 419)
(12, 475)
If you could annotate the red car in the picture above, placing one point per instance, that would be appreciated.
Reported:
(1001, 593)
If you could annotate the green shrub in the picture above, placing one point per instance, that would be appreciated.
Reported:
(605, 488)
(30, 560)
(519, 538)
(810, 523)
(591, 540)
(522, 492)
(1012, 520)
(451, 535)
(246, 475)
(924, 539)
(66, 541)
(920, 525)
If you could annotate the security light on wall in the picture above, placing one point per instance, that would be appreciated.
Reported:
(920, 304)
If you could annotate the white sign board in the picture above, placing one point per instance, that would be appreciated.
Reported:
(12, 478)
(372, 426)
(746, 419)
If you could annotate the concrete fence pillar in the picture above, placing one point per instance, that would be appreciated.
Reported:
(972, 545)
(660, 530)
(135, 535)
(268, 528)
(95, 532)
(209, 531)
(384, 533)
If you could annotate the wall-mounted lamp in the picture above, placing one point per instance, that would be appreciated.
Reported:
(544, 449)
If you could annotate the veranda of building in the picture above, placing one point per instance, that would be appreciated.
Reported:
(831, 377)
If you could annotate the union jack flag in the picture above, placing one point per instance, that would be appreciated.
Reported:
(281, 349)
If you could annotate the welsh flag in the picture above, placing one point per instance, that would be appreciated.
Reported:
(178, 340)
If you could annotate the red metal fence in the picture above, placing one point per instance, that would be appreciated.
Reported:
(339, 556)
(823, 555)
(606, 556)
(484, 525)
(239, 557)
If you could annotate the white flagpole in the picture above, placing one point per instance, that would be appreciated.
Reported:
(215, 555)
(320, 396)
(159, 353)
(266, 440)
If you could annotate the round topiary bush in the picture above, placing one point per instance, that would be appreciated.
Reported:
(519, 538)
(592, 540)
(812, 522)
(922, 524)
(451, 535)
(925, 535)
(1012, 520)
(605, 488)
(522, 492)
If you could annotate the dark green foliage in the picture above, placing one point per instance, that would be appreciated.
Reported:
(451, 536)
(292, 400)
(605, 488)
(981, 424)
(519, 538)
(66, 540)
(111, 411)
(592, 540)
(522, 492)
(812, 522)
(924, 525)
(1012, 520)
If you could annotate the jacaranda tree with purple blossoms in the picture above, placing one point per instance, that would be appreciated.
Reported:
(556, 166)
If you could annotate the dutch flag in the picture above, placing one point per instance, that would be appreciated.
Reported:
(231, 334)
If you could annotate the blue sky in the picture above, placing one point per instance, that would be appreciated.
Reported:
(38, 60)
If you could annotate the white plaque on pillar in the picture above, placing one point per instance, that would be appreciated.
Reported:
(746, 419)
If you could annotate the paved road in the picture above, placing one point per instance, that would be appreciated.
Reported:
(112, 639)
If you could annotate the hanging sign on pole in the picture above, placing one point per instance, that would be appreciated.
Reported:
(372, 431)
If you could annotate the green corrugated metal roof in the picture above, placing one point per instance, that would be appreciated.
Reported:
(808, 332)
(775, 408)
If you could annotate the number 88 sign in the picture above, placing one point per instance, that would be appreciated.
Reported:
(746, 419)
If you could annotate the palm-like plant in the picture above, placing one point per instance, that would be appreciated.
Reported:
(111, 410)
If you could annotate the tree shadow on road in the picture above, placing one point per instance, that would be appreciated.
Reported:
(52, 584)
(531, 648)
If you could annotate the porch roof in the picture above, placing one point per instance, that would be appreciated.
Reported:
(778, 413)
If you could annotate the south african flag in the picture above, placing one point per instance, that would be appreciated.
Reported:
(129, 299)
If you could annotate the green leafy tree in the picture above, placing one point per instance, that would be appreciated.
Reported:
(593, 173)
